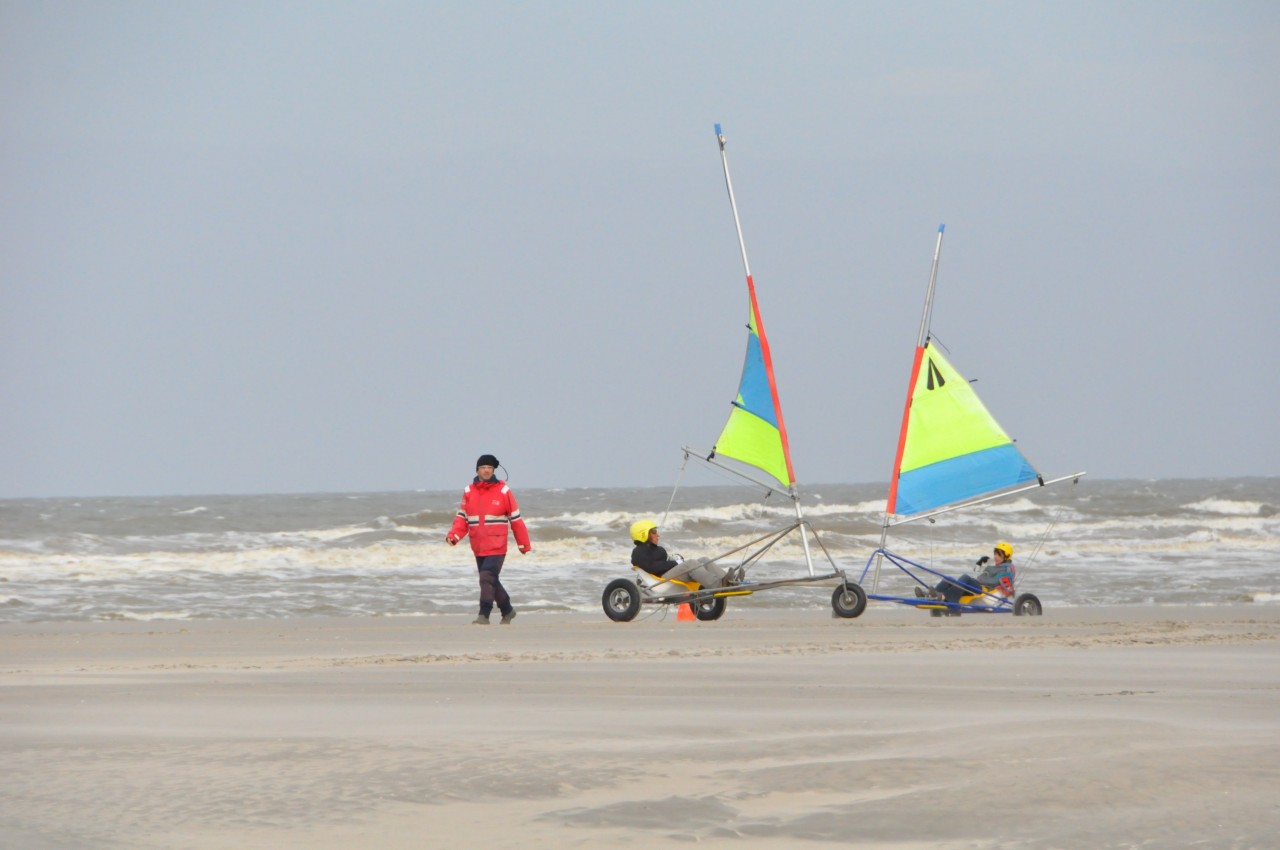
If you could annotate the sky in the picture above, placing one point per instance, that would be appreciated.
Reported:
(325, 247)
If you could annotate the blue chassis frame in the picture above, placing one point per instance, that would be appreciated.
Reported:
(1000, 604)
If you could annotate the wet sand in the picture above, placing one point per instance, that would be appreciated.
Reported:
(1084, 728)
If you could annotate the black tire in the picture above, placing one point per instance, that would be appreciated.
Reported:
(710, 609)
(1027, 605)
(621, 600)
(849, 600)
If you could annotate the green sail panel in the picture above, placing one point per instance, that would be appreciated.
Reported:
(953, 448)
(751, 440)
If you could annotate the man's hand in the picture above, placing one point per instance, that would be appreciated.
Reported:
(525, 550)
(453, 541)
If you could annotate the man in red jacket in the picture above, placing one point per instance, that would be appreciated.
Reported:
(488, 509)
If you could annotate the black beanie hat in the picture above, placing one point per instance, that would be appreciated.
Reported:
(487, 460)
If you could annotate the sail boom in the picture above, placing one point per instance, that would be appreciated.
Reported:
(709, 458)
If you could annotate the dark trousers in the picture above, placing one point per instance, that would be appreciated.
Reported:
(952, 592)
(491, 589)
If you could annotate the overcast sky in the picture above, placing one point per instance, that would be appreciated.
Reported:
(289, 247)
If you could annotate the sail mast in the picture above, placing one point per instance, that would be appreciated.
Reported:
(764, 350)
(921, 338)
(755, 311)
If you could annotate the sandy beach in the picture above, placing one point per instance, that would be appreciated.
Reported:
(1084, 728)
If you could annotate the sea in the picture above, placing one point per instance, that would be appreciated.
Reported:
(1210, 542)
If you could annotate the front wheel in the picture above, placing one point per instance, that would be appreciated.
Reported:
(621, 600)
(710, 609)
(1027, 605)
(849, 600)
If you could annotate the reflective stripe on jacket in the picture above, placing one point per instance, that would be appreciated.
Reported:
(487, 511)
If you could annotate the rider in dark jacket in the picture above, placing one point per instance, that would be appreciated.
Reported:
(647, 554)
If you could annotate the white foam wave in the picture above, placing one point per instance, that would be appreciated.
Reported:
(1226, 506)
(870, 509)
(588, 520)
(149, 616)
(685, 517)
(1013, 506)
(742, 512)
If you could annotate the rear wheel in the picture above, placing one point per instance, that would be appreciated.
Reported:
(1027, 605)
(621, 600)
(848, 600)
(710, 609)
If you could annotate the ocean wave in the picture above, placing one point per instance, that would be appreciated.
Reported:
(1230, 506)
(385, 554)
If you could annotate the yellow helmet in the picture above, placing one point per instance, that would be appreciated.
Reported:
(1006, 548)
(640, 530)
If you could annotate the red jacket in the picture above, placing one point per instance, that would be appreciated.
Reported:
(488, 509)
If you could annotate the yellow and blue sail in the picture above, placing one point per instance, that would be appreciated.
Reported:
(950, 448)
(755, 433)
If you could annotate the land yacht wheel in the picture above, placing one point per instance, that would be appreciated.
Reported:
(710, 609)
(849, 600)
(621, 600)
(1027, 605)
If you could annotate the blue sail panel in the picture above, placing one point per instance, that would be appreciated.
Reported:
(960, 478)
(754, 394)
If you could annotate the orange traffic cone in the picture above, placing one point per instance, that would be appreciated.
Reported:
(685, 613)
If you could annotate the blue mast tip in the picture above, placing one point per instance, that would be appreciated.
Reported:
(717, 129)
(941, 227)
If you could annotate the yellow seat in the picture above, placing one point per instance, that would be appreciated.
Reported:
(1003, 590)
(651, 581)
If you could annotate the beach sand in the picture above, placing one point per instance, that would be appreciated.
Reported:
(1084, 728)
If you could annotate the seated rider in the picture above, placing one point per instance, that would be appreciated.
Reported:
(1000, 568)
(649, 556)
